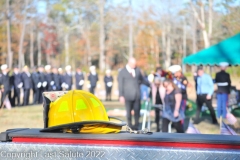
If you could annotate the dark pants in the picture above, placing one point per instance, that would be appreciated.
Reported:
(26, 97)
(108, 93)
(133, 105)
(4, 95)
(203, 99)
(40, 98)
(92, 89)
(36, 93)
(16, 95)
(157, 118)
(79, 87)
(177, 125)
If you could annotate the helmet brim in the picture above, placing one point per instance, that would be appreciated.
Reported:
(59, 128)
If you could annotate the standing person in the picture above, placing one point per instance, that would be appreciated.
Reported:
(93, 79)
(68, 79)
(172, 111)
(56, 79)
(79, 77)
(129, 80)
(17, 84)
(181, 82)
(42, 83)
(157, 95)
(6, 83)
(61, 76)
(223, 82)
(27, 85)
(49, 78)
(205, 89)
(36, 86)
(108, 80)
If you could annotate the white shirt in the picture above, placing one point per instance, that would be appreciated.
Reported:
(131, 71)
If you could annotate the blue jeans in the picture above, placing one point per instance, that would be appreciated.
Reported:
(222, 100)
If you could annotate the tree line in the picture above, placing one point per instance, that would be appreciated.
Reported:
(106, 34)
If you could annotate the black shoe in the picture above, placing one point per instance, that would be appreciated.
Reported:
(215, 122)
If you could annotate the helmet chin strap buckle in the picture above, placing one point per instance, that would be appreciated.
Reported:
(75, 129)
(145, 131)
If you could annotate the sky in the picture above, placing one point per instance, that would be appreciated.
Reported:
(136, 4)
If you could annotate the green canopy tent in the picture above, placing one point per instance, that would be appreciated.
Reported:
(227, 50)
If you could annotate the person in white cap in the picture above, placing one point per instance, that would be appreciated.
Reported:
(68, 78)
(93, 79)
(6, 83)
(108, 80)
(223, 82)
(79, 77)
(181, 82)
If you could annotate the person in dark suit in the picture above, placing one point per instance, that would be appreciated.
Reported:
(93, 79)
(42, 83)
(6, 83)
(61, 76)
(36, 86)
(17, 84)
(49, 78)
(56, 79)
(79, 77)
(223, 82)
(108, 80)
(68, 79)
(129, 80)
(27, 84)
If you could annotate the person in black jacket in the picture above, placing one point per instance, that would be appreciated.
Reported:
(129, 81)
(68, 79)
(36, 86)
(61, 76)
(79, 77)
(6, 83)
(17, 84)
(49, 78)
(56, 79)
(108, 80)
(27, 84)
(42, 83)
(223, 82)
(93, 79)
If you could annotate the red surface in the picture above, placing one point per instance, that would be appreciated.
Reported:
(124, 143)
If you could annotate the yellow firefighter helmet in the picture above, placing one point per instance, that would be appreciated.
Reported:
(81, 111)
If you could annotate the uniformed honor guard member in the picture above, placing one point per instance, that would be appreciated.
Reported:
(49, 78)
(36, 86)
(181, 82)
(108, 80)
(56, 79)
(93, 79)
(79, 77)
(42, 83)
(27, 85)
(61, 75)
(223, 82)
(6, 83)
(17, 84)
(68, 79)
